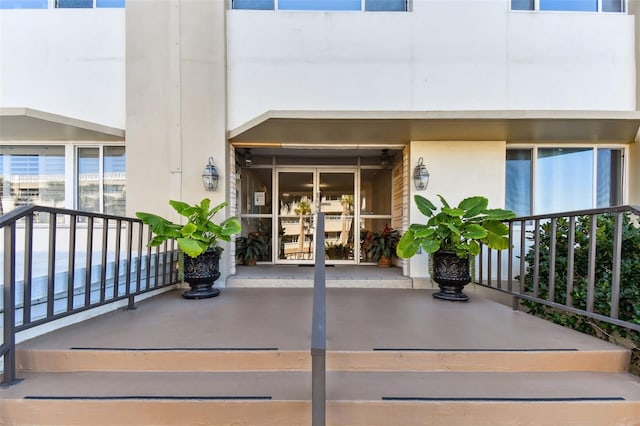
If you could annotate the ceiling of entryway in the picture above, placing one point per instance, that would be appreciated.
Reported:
(280, 129)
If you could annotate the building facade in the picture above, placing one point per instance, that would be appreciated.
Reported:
(528, 103)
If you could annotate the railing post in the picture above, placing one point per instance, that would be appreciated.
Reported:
(9, 290)
(319, 331)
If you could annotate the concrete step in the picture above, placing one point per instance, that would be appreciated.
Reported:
(265, 359)
(355, 398)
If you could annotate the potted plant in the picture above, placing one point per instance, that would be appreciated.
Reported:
(382, 246)
(198, 243)
(454, 235)
(251, 247)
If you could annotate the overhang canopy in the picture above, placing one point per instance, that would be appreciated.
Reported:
(293, 128)
(26, 124)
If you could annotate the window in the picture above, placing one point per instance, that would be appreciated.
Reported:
(570, 5)
(548, 180)
(61, 4)
(31, 175)
(322, 5)
(101, 180)
(37, 175)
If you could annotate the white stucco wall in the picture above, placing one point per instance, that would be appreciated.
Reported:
(444, 55)
(64, 61)
(176, 106)
(458, 169)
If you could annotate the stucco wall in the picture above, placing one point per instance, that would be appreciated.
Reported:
(64, 61)
(458, 170)
(444, 55)
(175, 104)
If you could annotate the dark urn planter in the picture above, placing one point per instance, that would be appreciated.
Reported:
(201, 272)
(452, 274)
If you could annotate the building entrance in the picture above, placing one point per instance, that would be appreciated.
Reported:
(277, 203)
(301, 194)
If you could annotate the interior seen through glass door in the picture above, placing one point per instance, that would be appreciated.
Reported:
(295, 215)
(337, 202)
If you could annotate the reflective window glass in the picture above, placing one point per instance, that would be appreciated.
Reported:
(518, 181)
(522, 5)
(564, 179)
(609, 181)
(74, 3)
(385, 5)
(319, 5)
(114, 180)
(31, 175)
(24, 4)
(254, 4)
(88, 179)
(570, 5)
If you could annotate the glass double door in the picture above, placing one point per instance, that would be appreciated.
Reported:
(303, 193)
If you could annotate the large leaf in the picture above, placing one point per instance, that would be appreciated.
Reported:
(475, 232)
(430, 246)
(473, 206)
(188, 229)
(230, 226)
(408, 245)
(453, 212)
(191, 247)
(443, 201)
(496, 238)
(499, 214)
(496, 227)
(179, 206)
(425, 206)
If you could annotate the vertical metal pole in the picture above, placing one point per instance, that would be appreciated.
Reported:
(592, 262)
(71, 262)
(571, 259)
(617, 261)
(552, 259)
(319, 331)
(51, 280)
(9, 318)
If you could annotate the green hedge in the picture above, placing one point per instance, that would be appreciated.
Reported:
(629, 306)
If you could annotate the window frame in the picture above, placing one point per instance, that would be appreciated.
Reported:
(536, 8)
(594, 184)
(363, 8)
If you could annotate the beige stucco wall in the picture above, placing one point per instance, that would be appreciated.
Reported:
(176, 103)
(458, 170)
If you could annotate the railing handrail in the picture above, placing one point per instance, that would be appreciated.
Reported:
(519, 267)
(319, 330)
(113, 284)
(616, 209)
(23, 211)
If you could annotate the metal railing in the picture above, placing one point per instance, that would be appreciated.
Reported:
(553, 260)
(319, 330)
(73, 262)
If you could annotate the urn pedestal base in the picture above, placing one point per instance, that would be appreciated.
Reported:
(201, 272)
(452, 274)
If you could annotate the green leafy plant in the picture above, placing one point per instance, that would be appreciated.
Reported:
(252, 247)
(198, 234)
(459, 229)
(629, 305)
(383, 243)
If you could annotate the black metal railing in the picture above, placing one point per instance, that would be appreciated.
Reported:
(59, 262)
(319, 330)
(553, 259)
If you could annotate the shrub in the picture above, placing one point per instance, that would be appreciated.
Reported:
(629, 306)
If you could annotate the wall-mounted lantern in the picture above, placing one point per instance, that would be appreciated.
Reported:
(210, 176)
(421, 176)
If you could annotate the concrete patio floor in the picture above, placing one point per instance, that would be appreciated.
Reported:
(280, 318)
